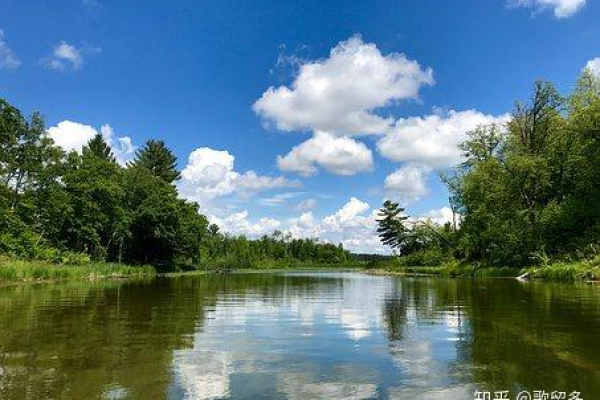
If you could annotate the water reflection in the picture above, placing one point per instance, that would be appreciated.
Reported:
(296, 336)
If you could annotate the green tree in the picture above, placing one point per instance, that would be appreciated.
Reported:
(94, 219)
(392, 229)
(158, 159)
(98, 146)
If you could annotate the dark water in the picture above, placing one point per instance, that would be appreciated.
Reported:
(297, 336)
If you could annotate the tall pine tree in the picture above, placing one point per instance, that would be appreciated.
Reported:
(156, 157)
(392, 231)
(98, 147)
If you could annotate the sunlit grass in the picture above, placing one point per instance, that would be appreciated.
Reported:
(583, 270)
(588, 270)
(21, 270)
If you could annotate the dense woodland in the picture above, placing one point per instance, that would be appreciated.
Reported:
(71, 208)
(527, 193)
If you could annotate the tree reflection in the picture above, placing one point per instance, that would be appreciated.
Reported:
(508, 336)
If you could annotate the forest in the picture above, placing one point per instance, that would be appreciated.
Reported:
(527, 193)
(72, 208)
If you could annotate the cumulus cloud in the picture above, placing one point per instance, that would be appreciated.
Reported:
(122, 146)
(438, 216)
(408, 182)
(210, 173)
(594, 65)
(339, 94)
(72, 136)
(238, 224)
(561, 8)
(354, 225)
(433, 140)
(8, 58)
(337, 155)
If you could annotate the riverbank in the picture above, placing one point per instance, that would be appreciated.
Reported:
(35, 271)
(12, 270)
(41, 271)
(585, 270)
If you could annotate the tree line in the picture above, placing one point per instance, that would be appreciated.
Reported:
(527, 192)
(72, 207)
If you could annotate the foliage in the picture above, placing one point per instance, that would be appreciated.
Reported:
(392, 229)
(12, 270)
(426, 257)
(274, 251)
(530, 192)
(157, 158)
(72, 209)
(98, 147)
(527, 191)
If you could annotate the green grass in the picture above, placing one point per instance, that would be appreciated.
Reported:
(455, 270)
(270, 264)
(20, 270)
(583, 270)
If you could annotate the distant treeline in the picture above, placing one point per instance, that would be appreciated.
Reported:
(75, 207)
(527, 193)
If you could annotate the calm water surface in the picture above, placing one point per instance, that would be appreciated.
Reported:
(297, 336)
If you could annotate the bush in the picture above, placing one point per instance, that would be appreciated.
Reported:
(423, 258)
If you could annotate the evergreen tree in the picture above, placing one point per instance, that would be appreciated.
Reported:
(98, 147)
(392, 231)
(156, 157)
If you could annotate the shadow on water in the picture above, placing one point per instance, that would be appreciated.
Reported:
(305, 335)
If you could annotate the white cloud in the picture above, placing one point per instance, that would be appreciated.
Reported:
(279, 198)
(354, 225)
(340, 93)
(561, 8)
(72, 136)
(122, 147)
(210, 173)
(338, 155)
(251, 182)
(348, 212)
(408, 182)
(63, 57)
(438, 216)
(306, 205)
(594, 65)
(433, 140)
(238, 224)
(8, 58)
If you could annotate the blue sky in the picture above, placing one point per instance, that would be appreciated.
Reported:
(369, 98)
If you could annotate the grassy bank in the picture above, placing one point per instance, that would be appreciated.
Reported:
(14, 270)
(584, 270)
(27, 271)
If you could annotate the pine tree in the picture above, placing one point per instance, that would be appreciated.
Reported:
(156, 157)
(98, 147)
(391, 230)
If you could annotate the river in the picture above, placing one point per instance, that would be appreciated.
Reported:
(299, 336)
